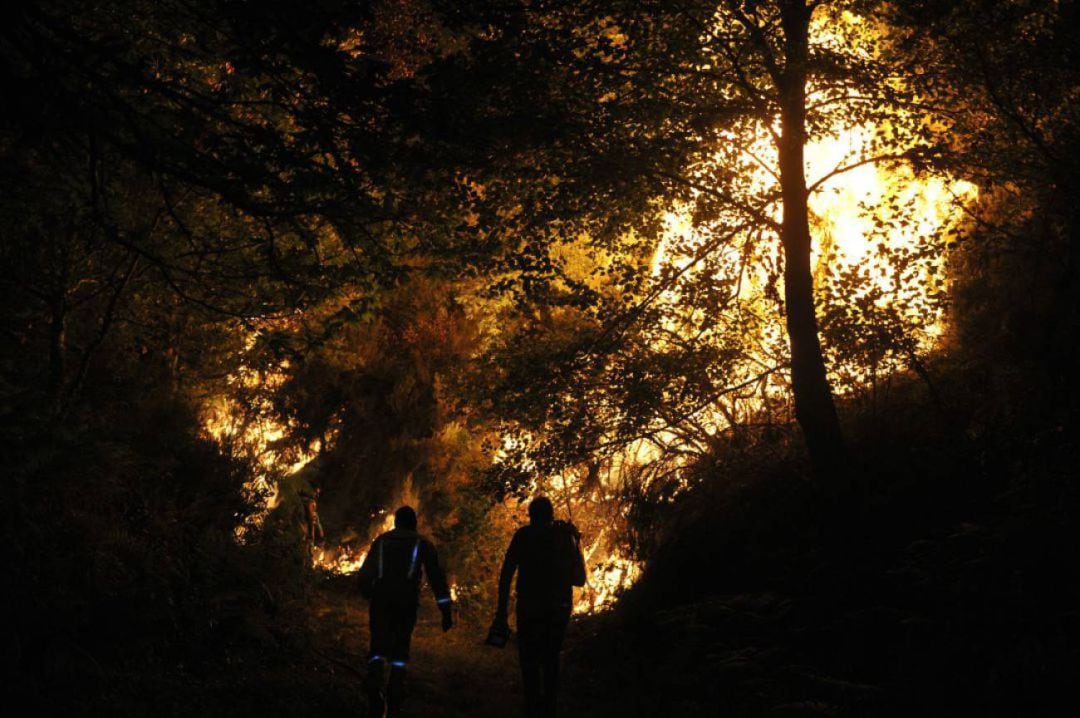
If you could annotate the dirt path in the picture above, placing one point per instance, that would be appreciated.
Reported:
(450, 675)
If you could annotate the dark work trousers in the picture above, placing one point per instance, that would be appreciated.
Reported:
(392, 625)
(540, 639)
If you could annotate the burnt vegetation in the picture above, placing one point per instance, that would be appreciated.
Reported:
(778, 301)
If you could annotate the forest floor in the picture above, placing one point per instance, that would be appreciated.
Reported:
(608, 670)
(451, 674)
(701, 660)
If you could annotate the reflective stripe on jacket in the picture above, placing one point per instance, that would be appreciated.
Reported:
(395, 565)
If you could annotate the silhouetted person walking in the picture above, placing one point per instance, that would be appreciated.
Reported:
(313, 528)
(390, 578)
(546, 555)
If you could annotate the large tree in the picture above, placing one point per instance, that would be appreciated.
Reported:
(590, 119)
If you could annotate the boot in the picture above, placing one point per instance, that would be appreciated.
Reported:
(395, 694)
(375, 693)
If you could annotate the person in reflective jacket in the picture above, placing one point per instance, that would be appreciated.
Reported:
(546, 555)
(390, 579)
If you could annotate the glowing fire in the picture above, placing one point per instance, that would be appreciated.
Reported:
(253, 430)
(862, 213)
(610, 574)
(340, 559)
(848, 209)
(347, 558)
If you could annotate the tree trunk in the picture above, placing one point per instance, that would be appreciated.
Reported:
(814, 407)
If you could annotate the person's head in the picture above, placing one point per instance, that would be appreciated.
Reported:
(405, 518)
(541, 511)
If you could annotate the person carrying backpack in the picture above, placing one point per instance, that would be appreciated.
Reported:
(390, 580)
(546, 555)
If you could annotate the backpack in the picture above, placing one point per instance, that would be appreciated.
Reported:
(572, 567)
